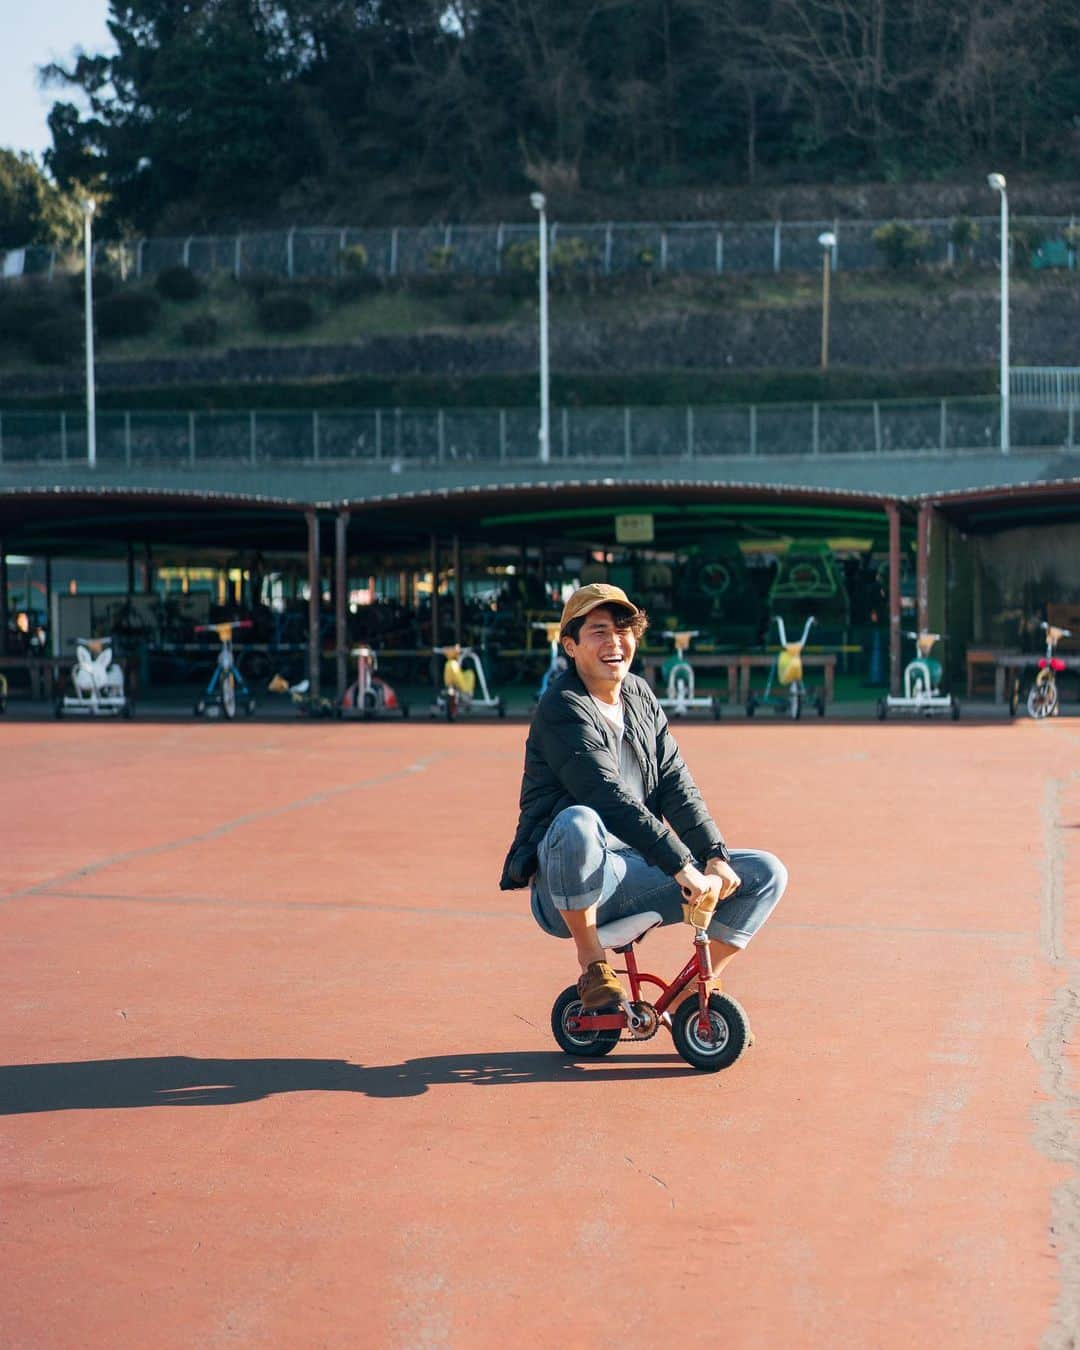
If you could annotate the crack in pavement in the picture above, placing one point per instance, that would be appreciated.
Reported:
(1055, 1135)
(226, 827)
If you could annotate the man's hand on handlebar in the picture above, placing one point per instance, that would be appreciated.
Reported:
(697, 885)
(729, 878)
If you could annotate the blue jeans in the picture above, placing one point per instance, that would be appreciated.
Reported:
(576, 869)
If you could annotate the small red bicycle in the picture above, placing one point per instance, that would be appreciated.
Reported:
(710, 1032)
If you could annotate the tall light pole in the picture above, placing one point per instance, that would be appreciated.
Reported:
(88, 271)
(539, 203)
(828, 243)
(997, 182)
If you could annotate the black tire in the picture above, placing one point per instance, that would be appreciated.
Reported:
(1014, 697)
(228, 695)
(954, 709)
(731, 1029)
(882, 710)
(450, 707)
(751, 706)
(1042, 699)
(404, 711)
(500, 708)
(58, 709)
(717, 707)
(578, 1044)
(128, 710)
(819, 704)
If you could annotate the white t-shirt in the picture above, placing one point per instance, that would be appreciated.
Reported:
(629, 768)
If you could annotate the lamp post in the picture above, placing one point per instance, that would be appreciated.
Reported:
(88, 271)
(539, 203)
(997, 182)
(828, 243)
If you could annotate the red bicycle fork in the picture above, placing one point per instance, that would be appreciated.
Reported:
(698, 968)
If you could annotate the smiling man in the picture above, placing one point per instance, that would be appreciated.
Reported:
(611, 822)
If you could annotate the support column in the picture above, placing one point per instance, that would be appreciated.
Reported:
(434, 592)
(892, 511)
(130, 568)
(3, 598)
(148, 565)
(458, 597)
(314, 605)
(922, 569)
(341, 585)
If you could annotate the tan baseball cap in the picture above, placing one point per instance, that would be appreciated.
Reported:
(587, 598)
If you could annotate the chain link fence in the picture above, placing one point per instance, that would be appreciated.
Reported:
(700, 248)
(404, 437)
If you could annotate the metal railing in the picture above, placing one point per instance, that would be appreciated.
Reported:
(1045, 386)
(701, 247)
(398, 438)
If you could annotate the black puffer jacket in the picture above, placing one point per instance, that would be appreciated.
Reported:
(571, 758)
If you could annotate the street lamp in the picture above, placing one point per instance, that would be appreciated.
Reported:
(539, 203)
(88, 272)
(997, 182)
(828, 243)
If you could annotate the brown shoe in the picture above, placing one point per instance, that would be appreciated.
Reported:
(599, 987)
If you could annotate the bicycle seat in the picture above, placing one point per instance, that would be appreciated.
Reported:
(624, 932)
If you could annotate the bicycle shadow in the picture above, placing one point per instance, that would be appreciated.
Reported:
(182, 1080)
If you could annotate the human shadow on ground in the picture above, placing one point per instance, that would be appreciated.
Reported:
(181, 1080)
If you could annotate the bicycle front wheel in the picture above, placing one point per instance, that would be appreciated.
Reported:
(1042, 698)
(228, 694)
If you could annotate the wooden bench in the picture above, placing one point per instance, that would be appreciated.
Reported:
(982, 661)
(654, 664)
(1018, 661)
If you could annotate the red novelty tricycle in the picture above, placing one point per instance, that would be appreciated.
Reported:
(710, 1032)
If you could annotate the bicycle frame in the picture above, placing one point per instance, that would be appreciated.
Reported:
(699, 968)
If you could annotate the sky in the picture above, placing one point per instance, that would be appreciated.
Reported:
(32, 33)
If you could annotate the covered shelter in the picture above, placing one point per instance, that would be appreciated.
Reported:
(436, 529)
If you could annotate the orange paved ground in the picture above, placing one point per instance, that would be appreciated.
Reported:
(276, 1068)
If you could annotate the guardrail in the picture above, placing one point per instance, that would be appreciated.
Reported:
(399, 437)
(701, 247)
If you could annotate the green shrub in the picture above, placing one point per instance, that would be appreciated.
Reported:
(522, 256)
(178, 283)
(963, 233)
(201, 331)
(21, 313)
(126, 314)
(354, 260)
(440, 259)
(356, 286)
(285, 312)
(1025, 238)
(104, 284)
(55, 342)
(900, 244)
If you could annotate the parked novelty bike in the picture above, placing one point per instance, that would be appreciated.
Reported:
(97, 683)
(786, 672)
(922, 684)
(557, 662)
(464, 685)
(679, 673)
(369, 696)
(710, 1031)
(226, 690)
(1042, 699)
